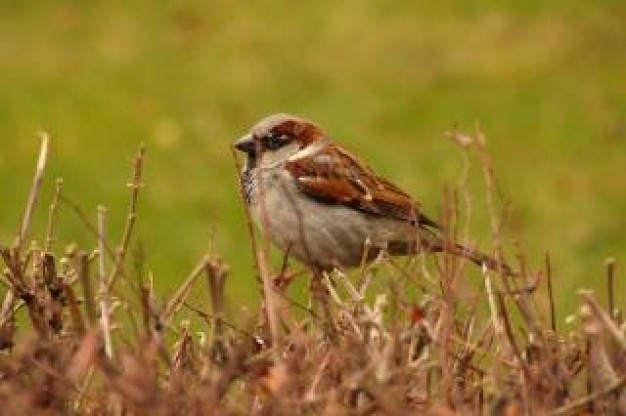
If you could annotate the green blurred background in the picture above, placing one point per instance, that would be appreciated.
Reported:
(546, 81)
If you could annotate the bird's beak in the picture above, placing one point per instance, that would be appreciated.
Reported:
(246, 144)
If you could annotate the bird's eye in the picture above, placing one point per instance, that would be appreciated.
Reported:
(274, 141)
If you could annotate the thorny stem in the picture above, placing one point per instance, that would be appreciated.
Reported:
(86, 221)
(52, 216)
(610, 286)
(250, 226)
(550, 293)
(490, 185)
(260, 257)
(211, 317)
(85, 280)
(34, 191)
(135, 185)
(183, 291)
(270, 306)
(103, 292)
(605, 318)
(570, 407)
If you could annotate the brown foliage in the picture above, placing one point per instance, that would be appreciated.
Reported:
(97, 341)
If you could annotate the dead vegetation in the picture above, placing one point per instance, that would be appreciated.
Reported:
(81, 332)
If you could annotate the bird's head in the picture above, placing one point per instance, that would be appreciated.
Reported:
(276, 138)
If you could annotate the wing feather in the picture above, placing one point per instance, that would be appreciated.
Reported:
(333, 176)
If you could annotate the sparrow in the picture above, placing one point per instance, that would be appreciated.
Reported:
(324, 206)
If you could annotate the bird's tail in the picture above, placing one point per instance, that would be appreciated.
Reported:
(479, 258)
(429, 237)
(433, 240)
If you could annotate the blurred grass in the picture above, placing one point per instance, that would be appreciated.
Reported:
(545, 81)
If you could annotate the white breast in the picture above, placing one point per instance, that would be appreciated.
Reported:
(315, 232)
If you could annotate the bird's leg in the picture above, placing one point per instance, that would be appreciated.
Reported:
(282, 280)
(317, 288)
(320, 295)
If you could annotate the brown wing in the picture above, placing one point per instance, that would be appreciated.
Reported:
(333, 176)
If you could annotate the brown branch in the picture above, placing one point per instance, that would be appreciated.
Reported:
(34, 191)
(605, 318)
(610, 284)
(103, 293)
(550, 293)
(590, 398)
(135, 185)
(85, 281)
(78, 211)
(250, 226)
(183, 291)
(52, 215)
(260, 256)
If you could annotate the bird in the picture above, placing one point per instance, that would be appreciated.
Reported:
(326, 207)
